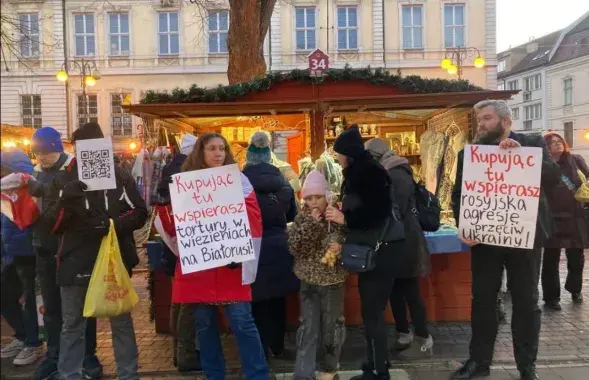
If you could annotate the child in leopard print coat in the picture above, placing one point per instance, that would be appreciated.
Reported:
(311, 240)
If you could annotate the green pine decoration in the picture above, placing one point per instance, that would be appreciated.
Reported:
(380, 77)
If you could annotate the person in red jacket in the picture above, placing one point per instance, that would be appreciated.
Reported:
(225, 285)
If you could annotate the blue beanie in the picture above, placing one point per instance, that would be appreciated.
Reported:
(45, 140)
(16, 161)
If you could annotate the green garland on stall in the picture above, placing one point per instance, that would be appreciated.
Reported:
(380, 77)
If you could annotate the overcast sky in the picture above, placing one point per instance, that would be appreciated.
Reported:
(518, 20)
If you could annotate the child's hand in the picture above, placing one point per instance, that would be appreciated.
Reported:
(334, 215)
(335, 247)
(316, 214)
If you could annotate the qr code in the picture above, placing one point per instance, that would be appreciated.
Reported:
(96, 164)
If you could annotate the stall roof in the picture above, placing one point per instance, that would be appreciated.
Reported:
(445, 100)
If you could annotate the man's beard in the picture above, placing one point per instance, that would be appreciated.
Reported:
(492, 136)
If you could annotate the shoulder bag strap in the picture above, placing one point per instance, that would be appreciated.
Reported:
(394, 215)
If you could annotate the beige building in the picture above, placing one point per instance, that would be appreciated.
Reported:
(552, 73)
(139, 45)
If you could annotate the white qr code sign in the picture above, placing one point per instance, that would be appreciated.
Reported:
(96, 165)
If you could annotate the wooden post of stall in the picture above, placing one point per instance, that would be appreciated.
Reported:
(317, 132)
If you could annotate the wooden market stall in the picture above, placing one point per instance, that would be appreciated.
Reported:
(425, 120)
(20, 136)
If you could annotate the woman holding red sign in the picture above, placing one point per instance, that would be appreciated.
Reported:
(572, 226)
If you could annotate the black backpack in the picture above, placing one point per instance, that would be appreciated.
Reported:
(427, 208)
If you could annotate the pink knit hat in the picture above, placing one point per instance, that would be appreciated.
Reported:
(315, 184)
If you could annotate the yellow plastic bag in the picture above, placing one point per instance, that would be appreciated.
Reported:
(110, 292)
(582, 193)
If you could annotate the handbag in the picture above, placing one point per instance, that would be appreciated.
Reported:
(362, 257)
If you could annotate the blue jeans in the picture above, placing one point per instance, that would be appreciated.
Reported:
(253, 360)
(18, 280)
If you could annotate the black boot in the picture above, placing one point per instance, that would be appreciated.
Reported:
(553, 305)
(367, 373)
(577, 298)
(529, 374)
(471, 370)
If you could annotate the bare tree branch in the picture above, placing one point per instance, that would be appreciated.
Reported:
(16, 35)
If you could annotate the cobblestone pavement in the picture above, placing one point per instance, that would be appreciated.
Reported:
(564, 339)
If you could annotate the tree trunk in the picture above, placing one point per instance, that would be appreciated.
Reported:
(249, 23)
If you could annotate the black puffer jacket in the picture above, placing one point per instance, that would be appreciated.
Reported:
(366, 205)
(277, 203)
(82, 228)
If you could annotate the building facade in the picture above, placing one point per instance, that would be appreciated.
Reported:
(142, 45)
(552, 73)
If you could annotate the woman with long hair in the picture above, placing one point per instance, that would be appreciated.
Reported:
(366, 206)
(572, 226)
(208, 289)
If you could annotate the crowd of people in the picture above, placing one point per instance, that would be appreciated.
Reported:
(299, 246)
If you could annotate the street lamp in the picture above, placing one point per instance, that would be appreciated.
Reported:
(454, 60)
(89, 74)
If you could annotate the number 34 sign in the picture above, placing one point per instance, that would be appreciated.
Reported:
(318, 63)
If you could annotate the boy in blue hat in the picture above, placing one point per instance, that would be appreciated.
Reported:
(48, 148)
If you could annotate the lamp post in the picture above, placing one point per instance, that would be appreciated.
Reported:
(456, 57)
(88, 72)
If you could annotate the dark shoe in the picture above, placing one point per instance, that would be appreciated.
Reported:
(471, 370)
(529, 374)
(367, 373)
(192, 367)
(577, 298)
(553, 305)
(47, 370)
(92, 369)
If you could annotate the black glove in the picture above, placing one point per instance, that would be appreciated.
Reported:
(233, 266)
(73, 191)
(36, 188)
(73, 197)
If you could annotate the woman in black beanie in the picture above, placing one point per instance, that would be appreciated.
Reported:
(366, 205)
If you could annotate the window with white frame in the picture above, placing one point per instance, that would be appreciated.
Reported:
(121, 122)
(85, 38)
(533, 112)
(30, 110)
(515, 113)
(347, 28)
(412, 19)
(218, 29)
(501, 86)
(454, 25)
(168, 33)
(118, 34)
(568, 92)
(512, 85)
(569, 133)
(29, 35)
(533, 83)
(305, 28)
(501, 66)
(87, 109)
